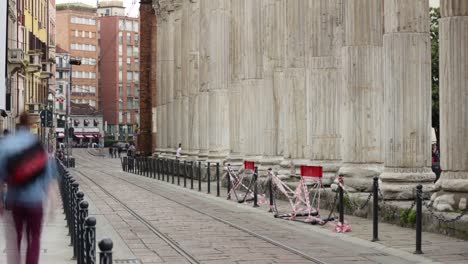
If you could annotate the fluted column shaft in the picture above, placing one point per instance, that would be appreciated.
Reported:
(407, 82)
(453, 52)
(363, 93)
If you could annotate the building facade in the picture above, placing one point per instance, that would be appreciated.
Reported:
(77, 32)
(87, 123)
(62, 90)
(119, 72)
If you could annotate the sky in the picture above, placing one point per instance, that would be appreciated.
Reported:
(132, 6)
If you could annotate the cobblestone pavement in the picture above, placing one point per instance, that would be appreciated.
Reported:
(155, 222)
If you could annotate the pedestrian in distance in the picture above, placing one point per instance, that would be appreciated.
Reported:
(29, 174)
(178, 152)
(119, 150)
(111, 152)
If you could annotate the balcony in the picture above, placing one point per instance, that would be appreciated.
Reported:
(34, 108)
(34, 63)
(15, 59)
(46, 72)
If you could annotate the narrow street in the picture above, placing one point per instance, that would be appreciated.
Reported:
(155, 222)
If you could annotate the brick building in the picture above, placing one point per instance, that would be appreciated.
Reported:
(77, 31)
(119, 70)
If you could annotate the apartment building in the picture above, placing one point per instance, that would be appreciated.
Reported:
(119, 70)
(77, 32)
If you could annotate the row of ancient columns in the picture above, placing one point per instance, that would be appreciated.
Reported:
(342, 84)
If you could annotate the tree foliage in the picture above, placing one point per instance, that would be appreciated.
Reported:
(435, 15)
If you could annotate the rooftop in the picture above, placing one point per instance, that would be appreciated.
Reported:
(76, 7)
(83, 110)
(110, 4)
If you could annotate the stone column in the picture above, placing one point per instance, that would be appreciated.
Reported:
(170, 82)
(190, 67)
(214, 64)
(145, 137)
(363, 93)
(407, 93)
(178, 108)
(453, 183)
(324, 85)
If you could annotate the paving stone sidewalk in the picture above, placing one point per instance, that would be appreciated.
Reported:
(55, 242)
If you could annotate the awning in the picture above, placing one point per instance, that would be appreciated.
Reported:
(61, 135)
(79, 136)
(89, 136)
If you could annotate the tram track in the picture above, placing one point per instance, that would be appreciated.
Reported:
(173, 244)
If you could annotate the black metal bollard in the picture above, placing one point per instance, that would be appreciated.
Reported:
(173, 170)
(270, 190)
(163, 163)
(199, 177)
(158, 161)
(228, 183)
(76, 224)
(178, 171)
(185, 173)
(217, 180)
(341, 209)
(105, 256)
(255, 177)
(168, 164)
(375, 211)
(191, 183)
(81, 231)
(208, 177)
(418, 219)
(90, 240)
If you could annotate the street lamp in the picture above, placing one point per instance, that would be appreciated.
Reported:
(71, 61)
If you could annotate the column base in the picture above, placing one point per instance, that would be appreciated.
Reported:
(358, 177)
(452, 192)
(399, 183)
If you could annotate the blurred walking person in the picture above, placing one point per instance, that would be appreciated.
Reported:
(28, 172)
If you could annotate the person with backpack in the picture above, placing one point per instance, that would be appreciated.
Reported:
(29, 174)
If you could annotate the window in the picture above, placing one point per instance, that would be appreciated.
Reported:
(129, 64)
(120, 117)
(90, 34)
(83, 34)
(92, 89)
(120, 91)
(137, 39)
(129, 38)
(135, 51)
(120, 49)
(120, 76)
(107, 12)
(136, 76)
(137, 63)
(137, 91)
(137, 118)
(76, 33)
(92, 103)
(120, 37)
(129, 76)
(120, 106)
(128, 25)
(130, 103)
(128, 117)
(135, 26)
(129, 51)
(129, 90)
(120, 63)
(121, 24)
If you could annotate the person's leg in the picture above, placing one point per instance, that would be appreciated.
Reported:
(33, 231)
(18, 218)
